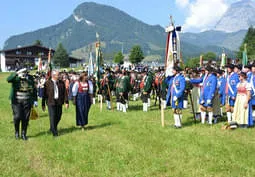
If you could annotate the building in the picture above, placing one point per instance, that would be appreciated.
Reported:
(27, 56)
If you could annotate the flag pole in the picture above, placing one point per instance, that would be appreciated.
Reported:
(98, 55)
(49, 64)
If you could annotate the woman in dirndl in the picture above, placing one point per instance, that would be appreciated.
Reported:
(242, 114)
(82, 98)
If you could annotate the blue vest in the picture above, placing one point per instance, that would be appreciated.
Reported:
(231, 83)
(221, 89)
(251, 80)
(176, 87)
(209, 86)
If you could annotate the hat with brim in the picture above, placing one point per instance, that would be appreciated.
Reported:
(239, 67)
(248, 66)
(209, 68)
(231, 66)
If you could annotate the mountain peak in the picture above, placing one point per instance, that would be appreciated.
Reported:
(239, 16)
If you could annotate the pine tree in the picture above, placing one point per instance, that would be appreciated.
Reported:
(118, 58)
(38, 42)
(60, 57)
(249, 39)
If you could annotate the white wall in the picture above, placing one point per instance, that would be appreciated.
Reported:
(3, 62)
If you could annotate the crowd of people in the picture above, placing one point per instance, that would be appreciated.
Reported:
(210, 89)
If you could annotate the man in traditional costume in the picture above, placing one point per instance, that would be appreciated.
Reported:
(145, 86)
(251, 80)
(231, 90)
(175, 95)
(209, 85)
(23, 95)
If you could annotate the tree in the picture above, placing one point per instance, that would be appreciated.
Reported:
(136, 54)
(60, 57)
(193, 62)
(209, 56)
(118, 58)
(38, 42)
(249, 39)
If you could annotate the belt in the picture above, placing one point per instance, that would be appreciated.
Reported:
(22, 95)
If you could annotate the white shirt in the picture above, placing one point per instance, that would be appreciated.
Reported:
(76, 87)
(55, 89)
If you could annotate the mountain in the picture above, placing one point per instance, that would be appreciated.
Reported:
(232, 41)
(118, 31)
(115, 27)
(239, 16)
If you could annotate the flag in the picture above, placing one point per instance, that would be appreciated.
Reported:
(223, 59)
(98, 62)
(245, 57)
(49, 64)
(173, 52)
(97, 35)
(201, 61)
(39, 64)
(90, 69)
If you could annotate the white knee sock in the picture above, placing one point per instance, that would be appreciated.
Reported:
(164, 103)
(180, 120)
(145, 107)
(149, 102)
(108, 104)
(229, 116)
(99, 98)
(121, 107)
(176, 120)
(210, 117)
(185, 104)
(203, 114)
(118, 106)
(124, 108)
(94, 100)
(253, 115)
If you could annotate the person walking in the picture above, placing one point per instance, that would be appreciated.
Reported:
(83, 98)
(55, 96)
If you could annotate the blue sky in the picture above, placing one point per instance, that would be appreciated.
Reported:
(20, 16)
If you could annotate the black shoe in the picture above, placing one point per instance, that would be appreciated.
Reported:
(16, 135)
(24, 137)
(55, 134)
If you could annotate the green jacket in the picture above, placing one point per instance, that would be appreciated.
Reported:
(122, 84)
(148, 83)
(17, 85)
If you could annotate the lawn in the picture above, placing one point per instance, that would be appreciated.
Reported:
(118, 144)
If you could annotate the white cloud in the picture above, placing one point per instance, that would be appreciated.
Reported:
(182, 3)
(204, 14)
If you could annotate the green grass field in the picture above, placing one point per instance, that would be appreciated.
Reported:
(118, 144)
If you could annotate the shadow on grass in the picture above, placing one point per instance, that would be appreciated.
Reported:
(92, 127)
(190, 122)
(63, 131)
(43, 115)
(136, 107)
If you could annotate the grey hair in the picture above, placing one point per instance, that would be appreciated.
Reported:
(54, 72)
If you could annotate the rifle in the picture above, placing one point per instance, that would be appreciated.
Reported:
(109, 92)
(192, 107)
